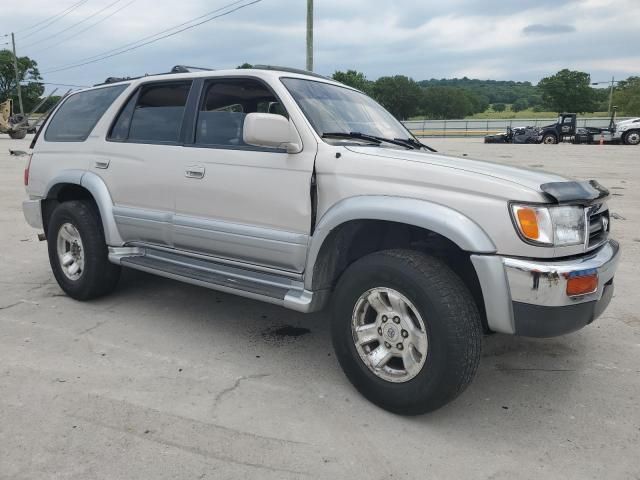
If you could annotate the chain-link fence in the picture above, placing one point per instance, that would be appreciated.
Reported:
(480, 127)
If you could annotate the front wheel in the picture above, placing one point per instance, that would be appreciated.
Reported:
(549, 139)
(78, 252)
(632, 137)
(406, 331)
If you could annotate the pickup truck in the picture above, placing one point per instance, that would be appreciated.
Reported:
(288, 187)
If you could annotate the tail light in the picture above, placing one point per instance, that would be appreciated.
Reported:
(26, 170)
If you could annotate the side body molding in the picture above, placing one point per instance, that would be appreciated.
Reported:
(94, 184)
(449, 223)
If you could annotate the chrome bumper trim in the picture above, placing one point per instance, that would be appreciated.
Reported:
(545, 283)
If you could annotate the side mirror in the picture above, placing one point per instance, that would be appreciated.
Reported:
(270, 130)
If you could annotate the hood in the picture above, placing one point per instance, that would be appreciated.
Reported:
(625, 123)
(524, 177)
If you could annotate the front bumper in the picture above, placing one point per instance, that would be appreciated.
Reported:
(536, 303)
(32, 210)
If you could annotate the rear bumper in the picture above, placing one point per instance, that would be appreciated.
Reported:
(32, 210)
(535, 302)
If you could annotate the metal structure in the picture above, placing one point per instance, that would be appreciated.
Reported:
(482, 127)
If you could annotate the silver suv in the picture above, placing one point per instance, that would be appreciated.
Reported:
(291, 188)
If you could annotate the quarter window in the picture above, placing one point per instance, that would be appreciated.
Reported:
(78, 115)
(224, 106)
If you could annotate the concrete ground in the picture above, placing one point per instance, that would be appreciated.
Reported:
(164, 380)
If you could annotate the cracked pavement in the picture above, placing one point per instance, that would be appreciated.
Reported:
(163, 380)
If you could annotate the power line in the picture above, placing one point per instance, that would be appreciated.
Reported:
(53, 19)
(72, 26)
(148, 37)
(120, 51)
(86, 28)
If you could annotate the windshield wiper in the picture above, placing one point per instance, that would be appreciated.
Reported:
(370, 138)
(415, 143)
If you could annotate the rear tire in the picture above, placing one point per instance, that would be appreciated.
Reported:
(78, 252)
(18, 134)
(632, 137)
(424, 359)
(549, 139)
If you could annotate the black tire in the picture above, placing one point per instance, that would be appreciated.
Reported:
(98, 277)
(632, 137)
(549, 139)
(451, 319)
(18, 134)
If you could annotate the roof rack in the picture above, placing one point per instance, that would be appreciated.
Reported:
(290, 70)
(174, 69)
(190, 69)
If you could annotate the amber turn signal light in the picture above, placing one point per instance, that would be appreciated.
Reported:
(582, 285)
(528, 221)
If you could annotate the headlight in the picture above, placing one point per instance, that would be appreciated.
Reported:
(550, 226)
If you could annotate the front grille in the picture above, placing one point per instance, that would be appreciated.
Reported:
(598, 216)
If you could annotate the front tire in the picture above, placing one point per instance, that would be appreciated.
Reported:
(549, 139)
(632, 137)
(406, 331)
(78, 252)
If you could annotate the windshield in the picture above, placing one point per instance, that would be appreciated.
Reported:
(331, 109)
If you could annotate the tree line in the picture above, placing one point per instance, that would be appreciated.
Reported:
(565, 91)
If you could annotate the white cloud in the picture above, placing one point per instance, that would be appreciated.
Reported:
(419, 38)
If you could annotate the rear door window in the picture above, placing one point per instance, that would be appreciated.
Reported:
(154, 115)
(78, 115)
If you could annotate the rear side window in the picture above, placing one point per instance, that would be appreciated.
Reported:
(153, 115)
(78, 115)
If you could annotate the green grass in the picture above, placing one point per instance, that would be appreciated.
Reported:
(528, 113)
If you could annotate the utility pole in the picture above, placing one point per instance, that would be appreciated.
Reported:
(613, 80)
(310, 35)
(15, 67)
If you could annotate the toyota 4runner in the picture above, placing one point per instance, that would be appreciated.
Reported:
(287, 187)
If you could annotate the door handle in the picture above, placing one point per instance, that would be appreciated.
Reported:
(102, 164)
(194, 172)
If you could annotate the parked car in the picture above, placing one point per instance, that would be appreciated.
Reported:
(515, 135)
(294, 189)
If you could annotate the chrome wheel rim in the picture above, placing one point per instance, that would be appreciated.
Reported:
(389, 335)
(633, 138)
(70, 251)
(549, 140)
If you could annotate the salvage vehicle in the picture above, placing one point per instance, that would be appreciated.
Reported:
(13, 125)
(515, 135)
(287, 187)
(626, 131)
(18, 125)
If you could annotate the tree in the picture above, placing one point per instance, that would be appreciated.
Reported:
(568, 91)
(244, 65)
(398, 94)
(627, 96)
(446, 102)
(27, 72)
(353, 79)
(519, 105)
(499, 107)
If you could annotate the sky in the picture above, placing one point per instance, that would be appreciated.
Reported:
(422, 39)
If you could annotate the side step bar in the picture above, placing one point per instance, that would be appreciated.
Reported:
(267, 287)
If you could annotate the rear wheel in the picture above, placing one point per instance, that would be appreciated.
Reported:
(632, 137)
(406, 331)
(549, 139)
(17, 134)
(78, 252)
